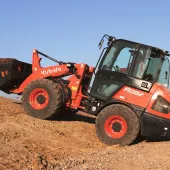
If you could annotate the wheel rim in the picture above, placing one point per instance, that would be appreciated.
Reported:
(115, 126)
(39, 98)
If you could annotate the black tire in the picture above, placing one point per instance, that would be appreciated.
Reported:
(127, 128)
(52, 105)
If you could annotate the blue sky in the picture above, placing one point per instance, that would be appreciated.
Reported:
(71, 30)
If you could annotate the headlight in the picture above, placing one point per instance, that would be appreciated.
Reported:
(161, 105)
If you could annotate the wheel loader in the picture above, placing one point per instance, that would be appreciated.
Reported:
(127, 90)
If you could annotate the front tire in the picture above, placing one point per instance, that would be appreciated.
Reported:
(42, 99)
(117, 124)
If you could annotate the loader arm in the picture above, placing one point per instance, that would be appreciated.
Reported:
(38, 72)
(54, 71)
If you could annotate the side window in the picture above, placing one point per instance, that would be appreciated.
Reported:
(123, 60)
(164, 74)
(141, 63)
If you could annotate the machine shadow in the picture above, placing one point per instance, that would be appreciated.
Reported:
(158, 139)
(17, 102)
(76, 117)
(151, 139)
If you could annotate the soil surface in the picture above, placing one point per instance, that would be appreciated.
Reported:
(31, 144)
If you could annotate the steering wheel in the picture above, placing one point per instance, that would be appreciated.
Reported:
(116, 68)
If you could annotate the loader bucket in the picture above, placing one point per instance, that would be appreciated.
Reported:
(13, 73)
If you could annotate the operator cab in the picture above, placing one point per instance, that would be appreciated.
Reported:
(131, 64)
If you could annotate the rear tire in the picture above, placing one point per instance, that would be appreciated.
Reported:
(117, 124)
(42, 99)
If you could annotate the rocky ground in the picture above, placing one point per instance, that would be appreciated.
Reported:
(31, 144)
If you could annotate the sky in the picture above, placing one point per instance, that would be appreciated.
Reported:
(71, 30)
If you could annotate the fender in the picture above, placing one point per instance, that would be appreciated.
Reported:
(137, 109)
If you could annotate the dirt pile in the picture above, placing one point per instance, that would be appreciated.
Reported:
(33, 144)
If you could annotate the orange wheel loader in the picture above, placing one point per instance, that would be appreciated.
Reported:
(127, 90)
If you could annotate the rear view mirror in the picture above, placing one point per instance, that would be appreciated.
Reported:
(101, 43)
(110, 39)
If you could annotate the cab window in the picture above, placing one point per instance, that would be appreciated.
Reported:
(164, 74)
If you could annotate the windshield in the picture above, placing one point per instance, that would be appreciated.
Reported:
(118, 57)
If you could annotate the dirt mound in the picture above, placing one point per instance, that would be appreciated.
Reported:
(33, 144)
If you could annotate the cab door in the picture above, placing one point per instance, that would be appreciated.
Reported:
(112, 72)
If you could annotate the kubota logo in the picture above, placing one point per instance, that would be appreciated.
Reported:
(49, 71)
(137, 93)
